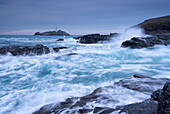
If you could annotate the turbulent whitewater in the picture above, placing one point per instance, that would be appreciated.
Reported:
(29, 82)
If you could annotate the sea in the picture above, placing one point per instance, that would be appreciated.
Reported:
(29, 82)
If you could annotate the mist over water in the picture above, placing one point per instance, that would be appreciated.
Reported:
(29, 82)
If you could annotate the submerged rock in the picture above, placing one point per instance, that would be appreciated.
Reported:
(48, 33)
(60, 39)
(144, 42)
(57, 49)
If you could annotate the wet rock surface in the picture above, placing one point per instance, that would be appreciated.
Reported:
(25, 50)
(94, 38)
(139, 83)
(148, 106)
(144, 42)
(60, 39)
(57, 49)
(144, 84)
(28, 50)
(163, 98)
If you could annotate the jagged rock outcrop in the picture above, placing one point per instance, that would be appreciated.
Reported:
(157, 26)
(25, 50)
(144, 42)
(95, 38)
(163, 98)
(48, 33)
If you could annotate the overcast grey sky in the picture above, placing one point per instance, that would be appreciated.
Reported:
(77, 16)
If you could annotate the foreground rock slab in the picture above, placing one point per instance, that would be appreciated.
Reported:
(106, 95)
(143, 84)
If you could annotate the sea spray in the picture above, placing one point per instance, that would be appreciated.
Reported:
(127, 35)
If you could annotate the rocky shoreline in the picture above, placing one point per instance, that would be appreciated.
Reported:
(158, 103)
(157, 88)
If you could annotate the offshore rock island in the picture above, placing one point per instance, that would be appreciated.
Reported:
(50, 33)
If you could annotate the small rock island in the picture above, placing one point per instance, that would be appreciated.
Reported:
(49, 33)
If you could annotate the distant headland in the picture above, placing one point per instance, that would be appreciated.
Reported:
(49, 33)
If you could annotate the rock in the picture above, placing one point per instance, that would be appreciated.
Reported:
(93, 38)
(25, 50)
(115, 34)
(48, 33)
(70, 54)
(56, 108)
(164, 100)
(103, 110)
(141, 76)
(57, 49)
(156, 95)
(37, 33)
(156, 26)
(60, 39)
(148, 106)
(144, 84)
(144, 42)
(105, 95)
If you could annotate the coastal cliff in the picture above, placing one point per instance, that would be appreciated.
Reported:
(156, 26)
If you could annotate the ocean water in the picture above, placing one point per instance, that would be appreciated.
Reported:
(29, 82)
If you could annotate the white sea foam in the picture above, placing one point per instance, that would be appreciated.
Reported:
(29, 82)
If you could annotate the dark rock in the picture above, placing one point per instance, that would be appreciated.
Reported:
(37, 33)
(164, 100)
(57, 49)
(156, 95)
(146, 85)
(157, 26)
(144, 42)
(84, 111)
(140, 76)
(48, 33)
(93, 38)
(148, 106)
(103, 110)
(60, 39)
(25, 50)
(72, 54)
(115, 34)
(56, 108)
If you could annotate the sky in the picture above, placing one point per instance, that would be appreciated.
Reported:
(77, 16)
